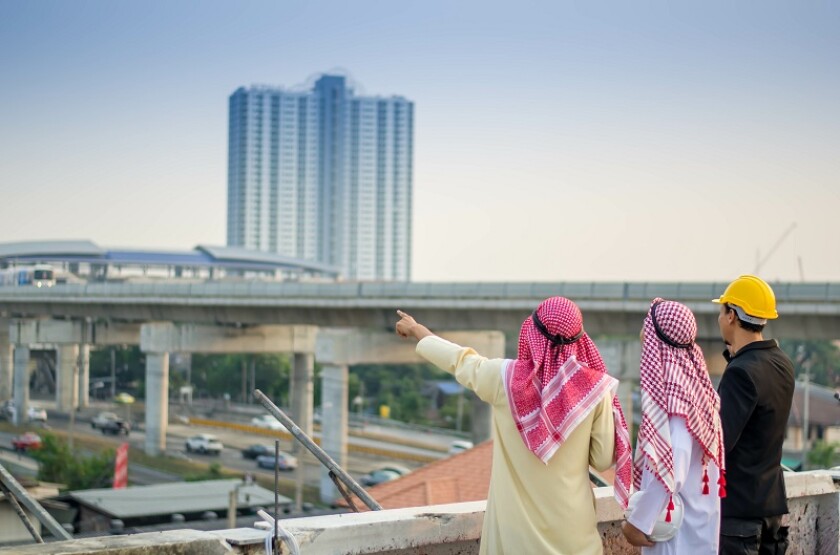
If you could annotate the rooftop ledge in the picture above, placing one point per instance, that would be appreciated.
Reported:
(441, 529)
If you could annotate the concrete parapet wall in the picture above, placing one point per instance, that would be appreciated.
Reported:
(446, 530)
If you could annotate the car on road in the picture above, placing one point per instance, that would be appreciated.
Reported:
(459, 446)
(36, 414)
(204, 443)
(284, 462)
(26, 442)
(394, 467)
(268, 422)
(110, 423)
(257, 450)
(33, 413)
(124, 398)
(379, 476)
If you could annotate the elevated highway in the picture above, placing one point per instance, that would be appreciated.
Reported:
(808, 310)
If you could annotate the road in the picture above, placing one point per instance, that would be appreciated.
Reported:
(231, 458)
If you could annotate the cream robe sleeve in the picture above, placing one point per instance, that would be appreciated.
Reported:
(602, 440)
(473, 371)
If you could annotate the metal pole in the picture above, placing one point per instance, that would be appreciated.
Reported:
(232, 507)
(807, 415)
(74, 402)
(276, 493)
(244, 378)
(22, 515)
(113, 372)
(253, 364)
(319, 453)
(32, 506)
(460, 414)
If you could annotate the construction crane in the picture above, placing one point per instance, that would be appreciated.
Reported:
(760, 262)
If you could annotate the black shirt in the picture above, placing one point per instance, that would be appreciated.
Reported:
(756, 393)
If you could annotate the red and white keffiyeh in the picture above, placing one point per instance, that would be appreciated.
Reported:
(556, 382)
(674, 382)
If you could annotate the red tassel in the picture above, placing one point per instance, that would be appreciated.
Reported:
(670, 508)
(722, 484)
(705, 489)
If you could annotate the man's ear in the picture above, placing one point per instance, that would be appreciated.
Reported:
(730, 317)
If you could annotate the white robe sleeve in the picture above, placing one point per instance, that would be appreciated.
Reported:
(653, 495)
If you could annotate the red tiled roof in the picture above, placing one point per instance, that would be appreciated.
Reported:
(456, 479)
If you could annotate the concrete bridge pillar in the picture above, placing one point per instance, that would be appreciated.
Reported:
(21, 383)
(302, 392)
(84, 375)
(6, 361)
(334, 390)
(66, 380)
(157, 402)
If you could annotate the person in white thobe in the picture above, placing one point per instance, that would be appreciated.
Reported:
(679, 449)
(700, 528)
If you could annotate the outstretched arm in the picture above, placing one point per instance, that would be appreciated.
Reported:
(470, 369)
(408, 327)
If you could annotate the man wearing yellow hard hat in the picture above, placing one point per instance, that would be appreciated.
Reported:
(756, 392)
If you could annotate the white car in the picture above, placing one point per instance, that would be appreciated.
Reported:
(268, 422)
(204, 443)
(459, 446)
(102, 419)
(33, 413)
(36, 413)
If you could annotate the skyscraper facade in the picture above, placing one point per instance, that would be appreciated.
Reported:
(323, 175)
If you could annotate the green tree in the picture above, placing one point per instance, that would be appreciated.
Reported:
(398, 386)
(822, 454)
(220, 374)
(823, 356)
(59, 464)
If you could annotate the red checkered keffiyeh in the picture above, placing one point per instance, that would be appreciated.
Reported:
(674, 382)
(557, 380)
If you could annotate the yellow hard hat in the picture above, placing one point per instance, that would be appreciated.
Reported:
(753, 295)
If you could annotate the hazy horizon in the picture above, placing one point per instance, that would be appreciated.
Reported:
(560, 142)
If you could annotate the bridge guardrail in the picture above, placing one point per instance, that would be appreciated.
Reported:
(607, 291)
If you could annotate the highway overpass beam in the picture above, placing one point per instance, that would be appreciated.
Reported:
(6, 361)
(21, 383)
(157, 402)
(66, 381)
(167, 337)
(334, 428)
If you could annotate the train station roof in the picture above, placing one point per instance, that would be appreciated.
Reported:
(203, 256)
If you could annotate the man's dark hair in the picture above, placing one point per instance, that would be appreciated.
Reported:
(755, 328)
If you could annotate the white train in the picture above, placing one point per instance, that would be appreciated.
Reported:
(39, 275)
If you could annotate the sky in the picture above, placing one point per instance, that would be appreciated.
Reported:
(554, 141)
